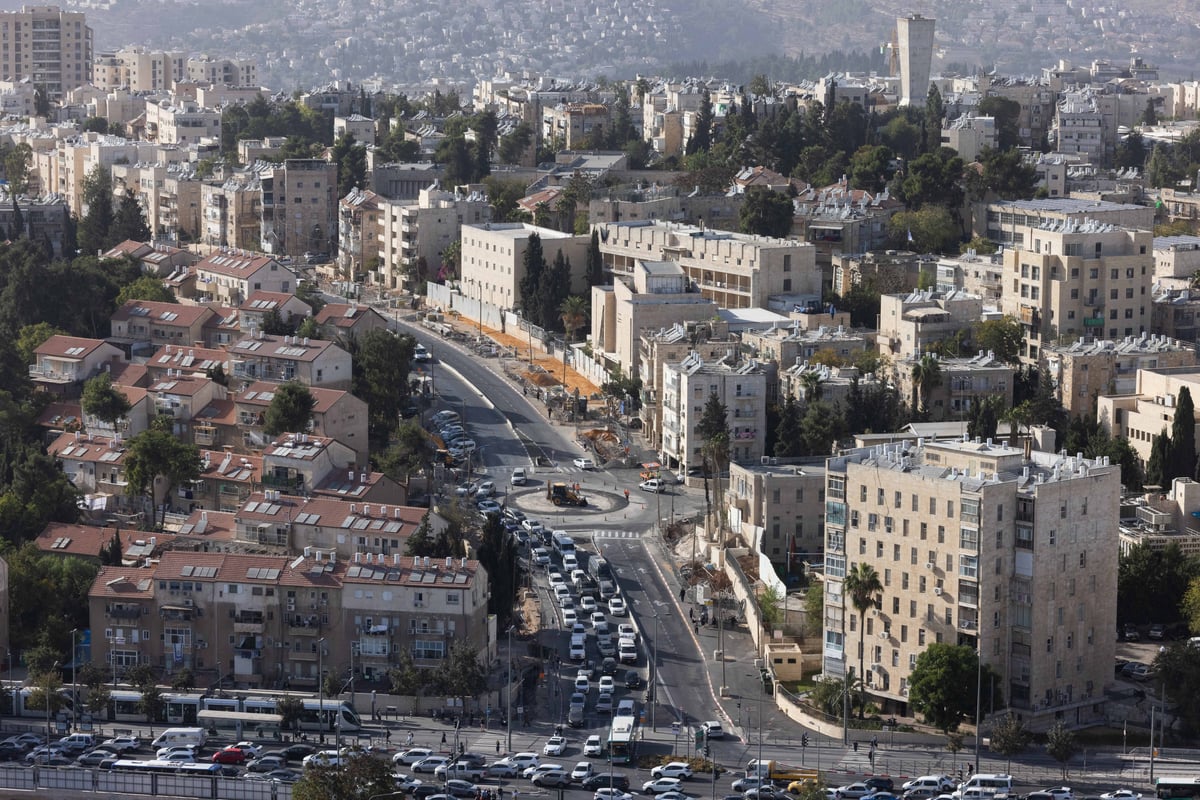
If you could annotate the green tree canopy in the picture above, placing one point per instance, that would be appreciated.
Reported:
(129, 224)
(382, 362)
(290, 410)
(932, 228)
(154, 456)
(147, 288)
(766, 213)
(95, 227)
(1007, 114)
(1003, 337)
(1061, 745)
(360, 777)
(862, 588)
(942, 685)
(103, 400)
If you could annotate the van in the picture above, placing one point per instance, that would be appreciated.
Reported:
(984, 785)
(939, 783)
(518, 477)
(181, 737)
(78, 742)
(563, 542)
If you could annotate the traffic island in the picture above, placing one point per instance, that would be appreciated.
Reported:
(536, 501)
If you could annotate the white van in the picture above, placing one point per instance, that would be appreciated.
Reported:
(984, 785)
(181, 737)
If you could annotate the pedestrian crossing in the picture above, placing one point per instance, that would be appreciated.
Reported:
(610, 534)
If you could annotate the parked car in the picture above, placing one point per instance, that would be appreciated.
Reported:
(853, 791)
(606, 793)
(93, 758)
(1131, 633)
(1158, 631)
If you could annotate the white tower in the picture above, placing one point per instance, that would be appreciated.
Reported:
(915, 37)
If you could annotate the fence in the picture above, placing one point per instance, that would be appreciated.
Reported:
(58, 782)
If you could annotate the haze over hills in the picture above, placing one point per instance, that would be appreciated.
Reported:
(307, 42)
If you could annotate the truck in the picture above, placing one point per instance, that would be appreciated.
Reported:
(181, 737)
(563, 495)
(779, 772)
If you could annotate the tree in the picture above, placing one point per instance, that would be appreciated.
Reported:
(1060, 745)
(382, 362)
(104, 401)
(404, 678)
(290, 410)
(770, 607)
(595, 261)
(862, 586)
(954, 745)
(130, 221)
(290, 710)
(1183, 438)
(574, 313)
(787, 436)
(485, 125)
(360, 777)
(534, 262)
(1009, 738)
(1007, 114)
(935, 112)
(821, 426)
(1159, 463)
(420, 542)
(1002, 337)
(96, 224)
(814, 608)
(410, 453)
(930, 229)
(497, 553)
(1131, 152)
(926, 376)
(1150, 116)
(184, 680)
(17, 163)
(1152, 585)
(554, 288)
(1178, 672)
(701, 139)
(154, 458)
(461, 674)
(147, 288)
(111, 554)
(934, 178)
(713, 430)
(942, 686)
(350, 157)
(152, 703)
(869, 167)
(515, 145)
(985, 417)
(1005, 175)
(766, 213)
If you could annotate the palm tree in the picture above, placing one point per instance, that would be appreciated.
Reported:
(574, 313)
(810, 385)
(862, 586)
(926, 375)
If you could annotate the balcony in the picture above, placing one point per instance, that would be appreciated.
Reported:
(303, 626)
(205, 435)
(248, 624)
(301, 655)
(287, 483)
(176, 613)
(124, 612)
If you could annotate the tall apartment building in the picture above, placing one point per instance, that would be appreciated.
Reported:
(735, 270)
(360, 233)
(656, 349)
(686, 389)
(493, 259)
(783, 502)
(1141, 414)
(977, 544)
(139, 70)
(1086, 369)
(914, 35)
(223, 71)
(232, 213)
(47, 46)
(299, 206)
(416, 233)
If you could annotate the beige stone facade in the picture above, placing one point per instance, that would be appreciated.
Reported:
(687, 387)
(1087, 369)
(493, 259)
(709, 340)
(1150, 408)
(48, 46)
(975, 544)
(785, 498)
(910, 324)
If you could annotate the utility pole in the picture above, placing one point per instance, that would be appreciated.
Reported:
(510, 665)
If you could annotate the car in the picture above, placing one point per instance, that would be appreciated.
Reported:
(750, 782)
(294, 752)
(1138, 672)
(556, 579)
(605, 793)
(878, 784)
(518, 477)
(502, 769)
(464, 489)
(584, 463)
(559, 590)
(582, 771)
(323, 758)
(594, 746)
(429, 764)
(55, 758)
(568, 615)
(522, 761)
(532, 771)
(617, 607)
(604, 703)
(607, 648)
(802, 785)
(541, 556)
(469, 770)
(266, 763)
(456, 787)
(626, 631)
(712, 729)
(555, 746)
(921, 793)
(486, 507)
(551, 778)
(409, 757)
(1060, 792)
(229, 755)
(570, 562)
(674, 769)
(626, 708)
(533, 525)
(1131, 633)
(582, 683)
(673, 796)
(654, 486)
(607, 780)
(660, 785)
(405, 783)
(587, 603)
(93, 758)
(421, 353)
(578, 700)
(1158, 631)
(940, 783)
(765, 793)
(597, 618)
(853, 791)
(249, 748)
(633, 679)
(185, 754)
(486, 489)
(285, 776)
(607, 685)
(1121, 794)
(123, 744)
(463, 444)
(27, 739)
(427, 790)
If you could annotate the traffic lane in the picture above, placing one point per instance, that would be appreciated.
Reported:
(682, 692)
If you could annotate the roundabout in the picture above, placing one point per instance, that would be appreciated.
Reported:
(534, 501)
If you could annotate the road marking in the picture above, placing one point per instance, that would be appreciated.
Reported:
(614, 535)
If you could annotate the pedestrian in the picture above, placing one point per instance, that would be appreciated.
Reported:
(497, 747)
(387, 735)
(409, 739)
(683, 594)
(874, 742)
(626, 494)
(692, 614)
(696, 628)
(444, 740)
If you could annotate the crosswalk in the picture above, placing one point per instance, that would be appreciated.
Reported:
(610, 534)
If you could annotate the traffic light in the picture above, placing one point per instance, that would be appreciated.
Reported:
(804, 740)
(706, 751)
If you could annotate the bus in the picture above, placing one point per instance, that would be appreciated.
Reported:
(621, 744)
(1176, 788)
(171, 767)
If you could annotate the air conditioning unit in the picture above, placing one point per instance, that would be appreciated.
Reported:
(929, 565)
(291, 606)
(418, 603)
(904, 691)
(765, 461)
(884, 634)
(312, 606)
(189, 602)
(937, 590)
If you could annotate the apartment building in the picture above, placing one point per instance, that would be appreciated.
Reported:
(493, 259)
(360, 233)
(46, 46)
(969, 135)
(63, 363)
(274, 621)
(232, 213)
(658, 296)
(1176, 260)
(734, 270)
(972, 274)
(138, 69)
(181, 122)
(782, 502)
(1078, 277)
(686, 389)
(963, 381)
(1088, 368)
(976, 544)
(356, 125)
(230, 275)
(1011, 222)
(299, 206)
(148, 325)
(1158, 521)
(279, 359)
(571, 124)
(340, 321)
(886, 270)
(910, 324)
(239, 72)
(259, 305)
(417, 233)
(710, 340)
(95, 465)
(1149, 408)
(181, 397)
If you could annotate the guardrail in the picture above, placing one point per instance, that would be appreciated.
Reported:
(73, 779)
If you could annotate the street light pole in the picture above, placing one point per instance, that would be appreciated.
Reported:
(320, 674)
(978, 695)
(509, 716)
(654, 674)
(74, 689)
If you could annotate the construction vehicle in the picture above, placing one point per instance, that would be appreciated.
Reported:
(778, 771)
(563, 495)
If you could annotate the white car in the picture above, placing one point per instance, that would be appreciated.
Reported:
(412, 755)
(853, 791)
(486, 489)
(626, 631)
(570, 562)
(518, 477)
(712, 729)
(594, 746)
(560, 591)
(660, 785)
(569, 617)
(555, 746)
(1060, 792)
(176, 754)
(605, 793)
(617, 607)
(654, 485)
(502, 769)
(597, 619)
(584, 463)
(540, 768)
(582, 771)
(556, 579)
(323, 758)
(582, 683)
(123, 744)
(675, 769)
(587, 603)
(1121, 794)
(429, 764)
(607, 684)
(522, 761)
(541, 556)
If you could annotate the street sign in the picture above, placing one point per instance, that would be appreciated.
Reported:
(675, 728)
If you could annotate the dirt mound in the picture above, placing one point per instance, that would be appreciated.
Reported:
(542, 379)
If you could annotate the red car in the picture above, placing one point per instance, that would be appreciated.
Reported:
(230, 755)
